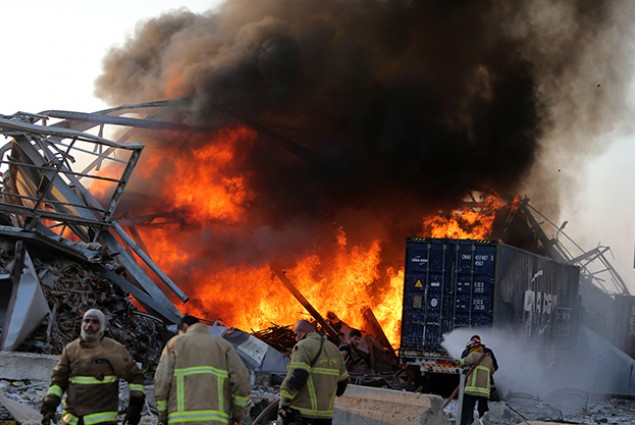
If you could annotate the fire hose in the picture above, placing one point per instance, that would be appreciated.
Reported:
(456, 390)
(261, 419)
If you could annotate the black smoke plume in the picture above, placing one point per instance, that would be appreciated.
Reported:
(394, 109)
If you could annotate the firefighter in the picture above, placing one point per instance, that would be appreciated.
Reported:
(315, 375)
(481, 404)
(478, 383)
(200, 379)
(485, 348)
(89, 370)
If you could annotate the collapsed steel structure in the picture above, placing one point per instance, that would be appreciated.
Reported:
(48, 170)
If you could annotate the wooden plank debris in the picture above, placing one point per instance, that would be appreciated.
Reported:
(332, 333)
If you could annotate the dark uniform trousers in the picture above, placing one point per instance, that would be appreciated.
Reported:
(467, 412)
(297, 419)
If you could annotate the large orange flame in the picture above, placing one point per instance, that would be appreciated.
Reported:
(341, 277)
(338, 276)
(253, 298)
(467, 223)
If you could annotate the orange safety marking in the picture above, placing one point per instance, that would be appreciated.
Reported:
(437, 368)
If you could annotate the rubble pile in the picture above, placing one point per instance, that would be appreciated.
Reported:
(70, 289)
(279, 337)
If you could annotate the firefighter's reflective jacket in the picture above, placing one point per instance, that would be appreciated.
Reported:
(89, 374)
(313, 380)
(479, 382)
(200, 380)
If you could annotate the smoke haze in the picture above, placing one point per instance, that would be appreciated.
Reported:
(592, 365)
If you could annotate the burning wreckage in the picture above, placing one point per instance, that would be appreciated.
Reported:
(64, 248)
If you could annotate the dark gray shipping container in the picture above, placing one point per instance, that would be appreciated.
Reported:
(624, 324)
(452, 283)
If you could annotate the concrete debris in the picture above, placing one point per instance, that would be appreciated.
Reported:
(21, 412)
(379, 406)
(600, 410)
(16, 366)
(530, 407)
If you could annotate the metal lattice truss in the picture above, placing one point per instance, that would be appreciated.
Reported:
(594, 264)
(62, 183)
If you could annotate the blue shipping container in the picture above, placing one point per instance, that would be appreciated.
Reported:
(452, 283)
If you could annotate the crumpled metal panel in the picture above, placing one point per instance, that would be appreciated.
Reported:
(45, 190)
(257, 354)
(27, 306)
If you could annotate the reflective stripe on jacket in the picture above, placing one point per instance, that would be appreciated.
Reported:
(479, 382)
(89, 373)
(201, 380)
(315, 399)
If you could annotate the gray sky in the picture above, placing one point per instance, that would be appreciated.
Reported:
(600, 208)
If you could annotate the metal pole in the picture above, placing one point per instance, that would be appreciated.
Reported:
(459, 415)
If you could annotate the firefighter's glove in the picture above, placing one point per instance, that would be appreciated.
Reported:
(133, 414)
(456, 362)
(48, 409)
(286, 415)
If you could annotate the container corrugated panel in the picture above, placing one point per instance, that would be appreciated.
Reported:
(536, 297)
(451, 283)
(448, 283)
(624, 326)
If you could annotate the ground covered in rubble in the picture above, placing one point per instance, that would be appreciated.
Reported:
(564, 406)
(31, 393)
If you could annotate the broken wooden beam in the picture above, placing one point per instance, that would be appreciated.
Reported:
(306, 304)
(370, 322)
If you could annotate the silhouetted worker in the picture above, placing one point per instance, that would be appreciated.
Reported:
(315, 376)
(357, 361)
